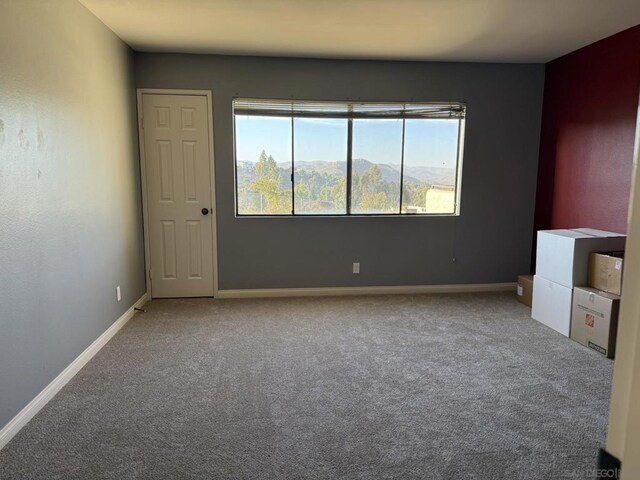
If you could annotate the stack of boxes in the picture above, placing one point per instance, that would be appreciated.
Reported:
(594, 315)
(562, 263)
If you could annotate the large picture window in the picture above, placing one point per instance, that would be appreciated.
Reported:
(334, 158)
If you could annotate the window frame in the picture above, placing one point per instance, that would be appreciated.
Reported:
(458, 168)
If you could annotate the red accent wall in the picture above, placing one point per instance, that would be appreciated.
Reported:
(587, 137)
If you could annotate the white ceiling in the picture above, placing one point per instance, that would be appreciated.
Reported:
(457, 30)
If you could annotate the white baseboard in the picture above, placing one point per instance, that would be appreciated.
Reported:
(28, 412)
(341, 291)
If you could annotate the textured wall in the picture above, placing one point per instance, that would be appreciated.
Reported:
(70, 220)
(588, 131)
(491, 240)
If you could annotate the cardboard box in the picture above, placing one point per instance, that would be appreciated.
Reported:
(563, 255)
(552, 304)
(605, 271)
(594, 319)
(525, 289)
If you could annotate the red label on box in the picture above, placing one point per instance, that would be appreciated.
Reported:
(589, 320)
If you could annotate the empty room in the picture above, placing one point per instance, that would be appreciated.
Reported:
(319, 239)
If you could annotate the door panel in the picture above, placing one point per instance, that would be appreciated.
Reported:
(178, 181)
(168, 249)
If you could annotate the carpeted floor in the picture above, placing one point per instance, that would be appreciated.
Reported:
(433, 387)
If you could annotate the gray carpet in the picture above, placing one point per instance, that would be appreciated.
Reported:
(432, 387)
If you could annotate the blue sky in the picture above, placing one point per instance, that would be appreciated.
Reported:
(430, 143)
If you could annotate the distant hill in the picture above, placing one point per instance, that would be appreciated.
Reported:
(390, 173)
(431, 175)
(329, 168)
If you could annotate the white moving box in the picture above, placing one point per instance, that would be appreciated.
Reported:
(562, 262)
(563, 255)
(552, 304)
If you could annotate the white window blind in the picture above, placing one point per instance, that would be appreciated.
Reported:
(317, 109)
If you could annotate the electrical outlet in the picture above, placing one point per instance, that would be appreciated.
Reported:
(118, 293)
(356, 267)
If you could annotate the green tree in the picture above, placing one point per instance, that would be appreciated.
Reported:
(303, 196)
(339, 194)
(272, 197)
(373, 195)
(414, 195)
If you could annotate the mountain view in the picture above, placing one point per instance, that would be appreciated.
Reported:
(264, 187)
(389, 173)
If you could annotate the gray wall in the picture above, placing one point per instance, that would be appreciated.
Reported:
(490, 241)
(70, 219)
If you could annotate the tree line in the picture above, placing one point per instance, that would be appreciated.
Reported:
(265, 188)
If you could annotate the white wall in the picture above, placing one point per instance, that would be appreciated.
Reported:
(70, 217)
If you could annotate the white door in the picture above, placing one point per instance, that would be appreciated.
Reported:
(179, 194)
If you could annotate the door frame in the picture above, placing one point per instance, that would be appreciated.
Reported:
(143, 178)
(623, 432)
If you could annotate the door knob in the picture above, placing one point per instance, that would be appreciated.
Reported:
(205, 211)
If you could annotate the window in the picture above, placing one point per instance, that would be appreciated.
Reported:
(262, 183)
(332, 158)
(320, 167)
